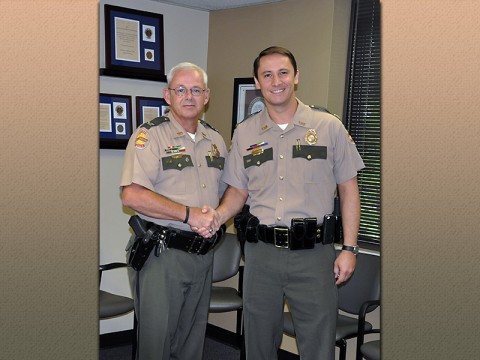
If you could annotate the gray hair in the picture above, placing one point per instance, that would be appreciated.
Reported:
(186, 66)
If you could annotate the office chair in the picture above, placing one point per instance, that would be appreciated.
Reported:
(113, 305)
(369, 350)
(364, 285)
(226, 264)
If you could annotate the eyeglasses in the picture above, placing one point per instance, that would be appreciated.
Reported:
(181, 91)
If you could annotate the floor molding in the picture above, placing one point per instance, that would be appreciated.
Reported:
(121, 338)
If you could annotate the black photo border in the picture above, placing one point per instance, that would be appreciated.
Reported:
(145, 70)
(110, 140)
(240, 110)
(142, 101)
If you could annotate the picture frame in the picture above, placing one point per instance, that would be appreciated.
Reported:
(246, 100)
(134, 44)
(149, 108)
(115, 120)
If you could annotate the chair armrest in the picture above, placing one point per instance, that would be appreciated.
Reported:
(110, 266)
(364, 309)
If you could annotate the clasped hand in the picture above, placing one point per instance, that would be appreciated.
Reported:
(205, 221)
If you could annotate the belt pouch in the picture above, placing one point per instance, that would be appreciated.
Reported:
(310, 233)
(297, 234)
(329, 223)
(251, 229)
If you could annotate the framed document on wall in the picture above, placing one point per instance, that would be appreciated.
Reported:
(115, 121)
(134, 45)
(149, 108)
(246, 100)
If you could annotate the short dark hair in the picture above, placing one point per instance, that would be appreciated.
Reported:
(273, 50)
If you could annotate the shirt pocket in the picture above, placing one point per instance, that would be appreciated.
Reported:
(259, 168)
(314, 162)
(177, 173)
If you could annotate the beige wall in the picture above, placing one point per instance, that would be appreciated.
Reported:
(306, 27)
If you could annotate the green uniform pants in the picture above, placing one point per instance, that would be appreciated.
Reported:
(306, 280)
(172, 296)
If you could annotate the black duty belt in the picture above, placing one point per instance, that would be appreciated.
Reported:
(287, 238)
(190, 242)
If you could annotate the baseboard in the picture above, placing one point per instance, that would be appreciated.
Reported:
(125, 337)
(119, 338)
(230, 338)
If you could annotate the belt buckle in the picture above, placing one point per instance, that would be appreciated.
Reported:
(281, 237)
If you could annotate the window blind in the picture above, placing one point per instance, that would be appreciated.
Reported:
(362, 110)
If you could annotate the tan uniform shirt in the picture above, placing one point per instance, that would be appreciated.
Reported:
(162, 157)
(291, 173)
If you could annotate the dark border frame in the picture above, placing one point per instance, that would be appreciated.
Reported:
(110, 140)
(243, 105)
(145, 69)
(142, 101)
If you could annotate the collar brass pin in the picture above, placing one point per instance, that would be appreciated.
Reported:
(311, 137)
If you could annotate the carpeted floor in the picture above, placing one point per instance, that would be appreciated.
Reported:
(214, 350)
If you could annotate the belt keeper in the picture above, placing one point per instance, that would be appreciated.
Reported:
(187, 214)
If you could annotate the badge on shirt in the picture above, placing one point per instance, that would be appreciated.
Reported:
(311, 137)
(215, 151)
(141, 141)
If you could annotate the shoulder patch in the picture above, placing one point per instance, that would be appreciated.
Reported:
(204, 123)
(155, 122)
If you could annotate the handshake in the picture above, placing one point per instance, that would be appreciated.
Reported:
(204, 221)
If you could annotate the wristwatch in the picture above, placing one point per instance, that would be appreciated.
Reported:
(354, 249)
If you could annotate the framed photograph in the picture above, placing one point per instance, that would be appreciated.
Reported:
(246, 100)
(115, 121)
(134, 45)
(149, 108)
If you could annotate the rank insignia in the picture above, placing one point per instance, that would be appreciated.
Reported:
(311, 137)
(141, 141)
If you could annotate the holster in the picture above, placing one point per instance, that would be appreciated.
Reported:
(146, 238)
(246, 225)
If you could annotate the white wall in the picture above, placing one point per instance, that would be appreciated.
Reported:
(186, 39)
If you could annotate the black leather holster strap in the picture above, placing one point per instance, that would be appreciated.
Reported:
(191, 242)
(283, 237)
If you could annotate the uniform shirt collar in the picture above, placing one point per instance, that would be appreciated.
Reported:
(301, 118)
(202, 132)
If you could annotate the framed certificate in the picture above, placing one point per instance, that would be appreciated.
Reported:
(115, 121)
(247, 100)
(149, 108)
(134, 45)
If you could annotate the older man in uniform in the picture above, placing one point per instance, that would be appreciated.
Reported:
(286, 163)
(172, 171)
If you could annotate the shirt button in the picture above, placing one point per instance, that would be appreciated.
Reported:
(204, 186)
(281, 156)
(279, 218)
(282, 136)
(280, 177)
(309, 157)
(281, 198)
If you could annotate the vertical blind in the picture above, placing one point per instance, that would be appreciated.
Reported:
(362, 110)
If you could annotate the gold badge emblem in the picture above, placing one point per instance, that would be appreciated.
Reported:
(215, 151)
(311, 137)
